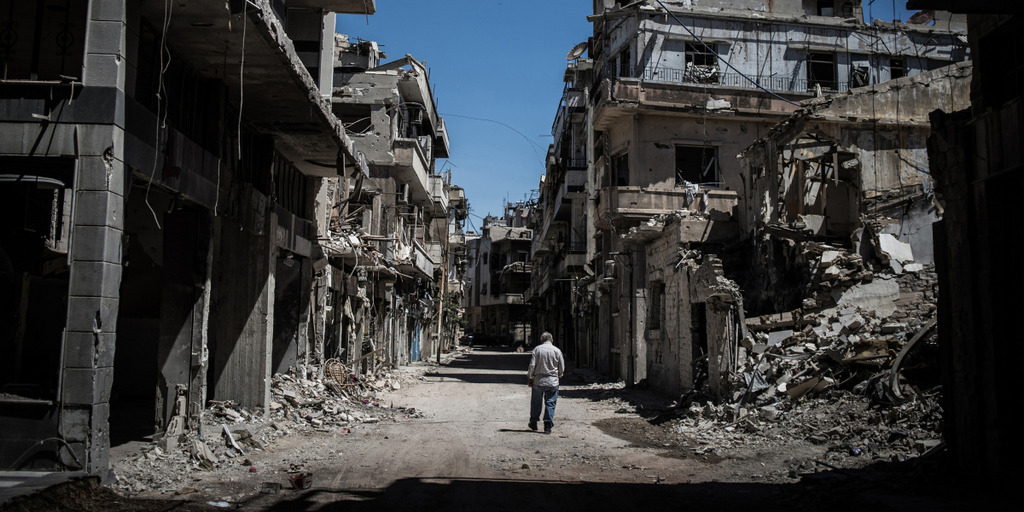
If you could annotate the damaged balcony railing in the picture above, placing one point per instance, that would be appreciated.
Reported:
(704, 75)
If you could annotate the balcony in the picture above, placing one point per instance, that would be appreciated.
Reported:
(572, 101)
(705, 76)
(504, 233)
(572, 263)
(412, 259)
(574, 185)
(282, 99)
(438, 196)
(540, 282)
(624, 203)
(456, 241)
(618, 100)
(442, 143)
(434, 251)
(518, 267)
(456, 197)
(339, 6)
(411, 167)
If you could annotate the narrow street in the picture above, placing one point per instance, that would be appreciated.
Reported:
(464, 445)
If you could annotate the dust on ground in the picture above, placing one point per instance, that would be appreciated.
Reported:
(455, 437)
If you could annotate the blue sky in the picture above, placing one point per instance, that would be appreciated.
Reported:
(501, 61)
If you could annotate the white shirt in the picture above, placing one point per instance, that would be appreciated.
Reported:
(546, 365)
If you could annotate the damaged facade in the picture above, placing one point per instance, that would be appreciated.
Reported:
(498, 273)
(179, 182)
(393, 237)
(685, 246)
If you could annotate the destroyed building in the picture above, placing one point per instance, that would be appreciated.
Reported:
(183, 204)
(388, 237)
(684, 240)
(498, 273)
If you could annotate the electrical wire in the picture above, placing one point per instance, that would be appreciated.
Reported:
(161, 90)
(241, 79)
(521, 134)
(720, 58)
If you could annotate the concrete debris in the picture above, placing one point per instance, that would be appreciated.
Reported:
(316, 403)
(827, 377)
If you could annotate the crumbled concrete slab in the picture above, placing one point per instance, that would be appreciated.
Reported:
(777, 337)
(894, 249)
(879, 295)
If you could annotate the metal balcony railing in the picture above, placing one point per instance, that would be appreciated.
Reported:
(712, 76)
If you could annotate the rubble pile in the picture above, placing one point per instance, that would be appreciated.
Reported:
(331, 399)
(853, 369)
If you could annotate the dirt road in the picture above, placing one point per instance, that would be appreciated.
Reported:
(472, 450)
(462, 443)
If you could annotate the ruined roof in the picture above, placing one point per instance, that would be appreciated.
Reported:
(907, 101)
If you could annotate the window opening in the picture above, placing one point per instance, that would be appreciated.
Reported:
(821, 70)
(620, 169)
(826, 8)
(624, 63)
(696, 164)
(897, 68)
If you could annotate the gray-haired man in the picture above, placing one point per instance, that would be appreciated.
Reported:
(546, 366)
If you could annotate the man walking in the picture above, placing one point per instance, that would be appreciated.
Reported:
(546, 366)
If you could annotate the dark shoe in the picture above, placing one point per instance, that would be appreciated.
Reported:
(533, 425)
(547, 428)
(547, 431)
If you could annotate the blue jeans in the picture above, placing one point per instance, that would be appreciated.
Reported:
(546, 396)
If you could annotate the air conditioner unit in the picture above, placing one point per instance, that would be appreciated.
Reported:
(403, 193)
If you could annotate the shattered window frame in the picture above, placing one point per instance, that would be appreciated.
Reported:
(826, 8)
(656, 312)
(822, 63)
(897, 68)
(700, 54)
(624, 62)
(620, 169)
(683, 173)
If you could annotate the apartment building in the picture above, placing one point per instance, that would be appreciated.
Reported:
(389, 236)
(654, 116)
(160, 163)
(499, 272)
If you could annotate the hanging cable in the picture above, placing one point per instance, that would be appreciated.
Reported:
(241, 80)
(720, 58)
(161, 90)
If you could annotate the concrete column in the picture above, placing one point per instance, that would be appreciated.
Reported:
(97, 225)
(326, 78)
(639, 335)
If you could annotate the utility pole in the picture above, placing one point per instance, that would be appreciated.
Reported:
(444, 288)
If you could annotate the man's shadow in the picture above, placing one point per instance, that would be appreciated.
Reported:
(520, 430)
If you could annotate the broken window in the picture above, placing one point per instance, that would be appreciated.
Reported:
(826, 8)
(656, 309)
(897, 68)
(625, 63)
(36, 209)
(696, 164)
(620, 169)
(859, 77)
(699, 54)
(821, 71)
(701, 64)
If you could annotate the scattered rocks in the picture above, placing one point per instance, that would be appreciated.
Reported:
(304, 401)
